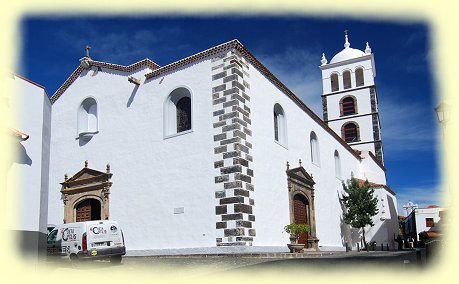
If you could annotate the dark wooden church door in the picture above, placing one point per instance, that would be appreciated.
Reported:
(87, 210)
(300, 214)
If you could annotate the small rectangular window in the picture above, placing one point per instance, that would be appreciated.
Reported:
(429, 222)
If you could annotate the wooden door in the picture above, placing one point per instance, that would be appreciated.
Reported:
(83, 211)
(88, 210)
(300, 215)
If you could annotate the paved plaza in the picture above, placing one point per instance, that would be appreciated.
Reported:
(199, 265)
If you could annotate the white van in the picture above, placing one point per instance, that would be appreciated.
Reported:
(87, 240)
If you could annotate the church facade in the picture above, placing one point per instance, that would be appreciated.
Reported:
(213, 152)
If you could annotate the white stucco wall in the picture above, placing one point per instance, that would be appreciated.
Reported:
(385, 227)
(370, 170)
(151, 175)
(28, 173)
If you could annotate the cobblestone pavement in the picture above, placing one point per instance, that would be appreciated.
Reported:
(178, 267)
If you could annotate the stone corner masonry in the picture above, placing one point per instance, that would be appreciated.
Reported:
(232, 149)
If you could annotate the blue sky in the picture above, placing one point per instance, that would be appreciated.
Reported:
(291, 47)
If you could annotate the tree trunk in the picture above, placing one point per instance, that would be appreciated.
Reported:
(364, 241)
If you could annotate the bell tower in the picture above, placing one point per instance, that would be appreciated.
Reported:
(349, 99)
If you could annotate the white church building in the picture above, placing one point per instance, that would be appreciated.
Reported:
(214, 153)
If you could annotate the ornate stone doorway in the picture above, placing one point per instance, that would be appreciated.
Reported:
(86, 195)
(301, 201)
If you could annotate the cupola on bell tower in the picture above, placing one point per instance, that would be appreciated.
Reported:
(349, 99)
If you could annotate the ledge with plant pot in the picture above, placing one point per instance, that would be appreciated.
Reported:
(295, 230)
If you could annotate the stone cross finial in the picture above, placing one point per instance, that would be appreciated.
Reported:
(324, 60)
(108, 168)
(300, 162)
(367, 49)
(66, 177)
(288, 165)
(86, 163)
(346, 40)
(87, 48)
(409, 207)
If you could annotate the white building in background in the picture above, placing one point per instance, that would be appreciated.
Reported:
(212, 152)
(424, 220)
(28, 171)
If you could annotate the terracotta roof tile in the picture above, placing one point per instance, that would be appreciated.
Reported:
(375, 185)
(30, 81)
(433, 206)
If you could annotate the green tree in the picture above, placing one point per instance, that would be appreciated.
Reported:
(360, 205)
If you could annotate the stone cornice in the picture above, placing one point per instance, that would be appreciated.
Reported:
(87, 187)
(299, 175)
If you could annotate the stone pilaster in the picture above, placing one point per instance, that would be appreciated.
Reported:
(232, 149)
(324, 108)
(376, 126)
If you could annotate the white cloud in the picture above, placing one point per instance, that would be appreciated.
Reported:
(123, 48)
(298, 70)
(406, 125)
(416, 63)
(423, 196)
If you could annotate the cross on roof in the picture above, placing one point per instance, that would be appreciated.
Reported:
(87, 48)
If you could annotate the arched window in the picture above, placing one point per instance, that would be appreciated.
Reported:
(348, 106)
(337, 165)
(178, 112)
(350, 132)
(280, 128)
(334, 82)
(88, 123)
(184, 114)
(347, 79)
(359, 77)
(315, 152)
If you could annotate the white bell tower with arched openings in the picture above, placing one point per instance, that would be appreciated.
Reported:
(349, 99)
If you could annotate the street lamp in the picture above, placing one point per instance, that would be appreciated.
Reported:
(443, 111)
(443, 114)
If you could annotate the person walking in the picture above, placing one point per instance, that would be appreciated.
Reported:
(411, 242)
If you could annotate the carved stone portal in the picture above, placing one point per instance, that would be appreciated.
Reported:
(301, 191)
(88, 186)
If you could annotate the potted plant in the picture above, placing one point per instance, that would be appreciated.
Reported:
(295, 230)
